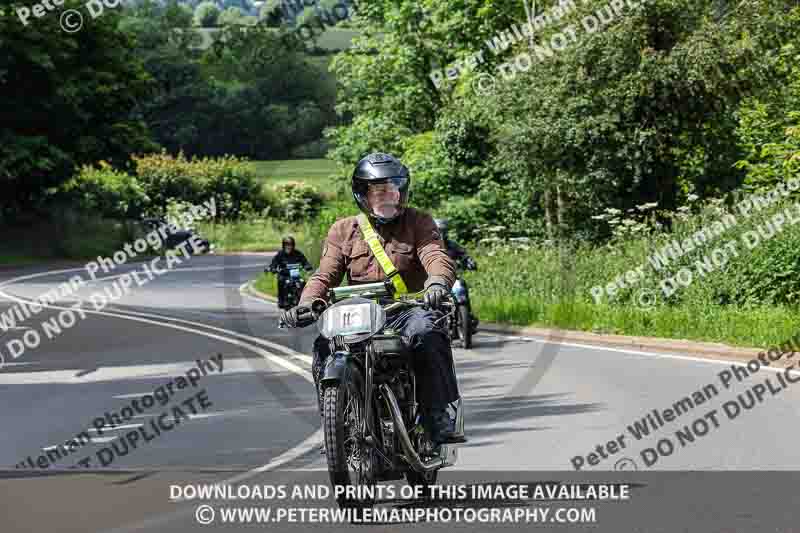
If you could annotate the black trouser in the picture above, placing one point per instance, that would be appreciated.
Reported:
(281, 291)
(432, 357)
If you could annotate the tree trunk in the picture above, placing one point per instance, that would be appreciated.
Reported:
(560, 210)
(548, 213)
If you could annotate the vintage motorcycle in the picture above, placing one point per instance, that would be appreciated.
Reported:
(459, 323)
(372, 420)
(290, 275)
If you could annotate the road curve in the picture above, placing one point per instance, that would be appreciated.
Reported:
(533, 404)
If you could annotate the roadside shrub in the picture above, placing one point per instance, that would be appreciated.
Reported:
(229, 180)
(206, 15)
(296, 201)
(431, 172)
(311, 150)
(106, 192)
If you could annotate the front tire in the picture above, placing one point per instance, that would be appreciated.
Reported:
(464, 327)
(349, 460)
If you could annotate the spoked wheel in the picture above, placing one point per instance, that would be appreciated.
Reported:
(464, 327)
(350, 461)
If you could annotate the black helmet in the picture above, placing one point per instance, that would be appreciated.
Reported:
(381, 172)
(287, 240)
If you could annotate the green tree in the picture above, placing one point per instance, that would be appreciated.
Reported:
(65, 99)
(206, 15)
(384, 78)
(643, 111)
(231, 16)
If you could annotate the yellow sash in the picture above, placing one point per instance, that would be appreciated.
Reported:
(380, 254)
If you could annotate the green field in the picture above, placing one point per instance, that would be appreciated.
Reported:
(332, 39)
(315, 172)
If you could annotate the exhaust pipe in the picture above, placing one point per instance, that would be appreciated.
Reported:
(412, 456)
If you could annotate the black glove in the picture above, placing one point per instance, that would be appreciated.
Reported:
(299, 316)
(435, 294)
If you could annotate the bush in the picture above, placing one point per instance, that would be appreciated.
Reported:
(509, 209)
(230, 181)
(431, 172)
(206, 15)
(296, 201)
(106, 192)
(311, 150)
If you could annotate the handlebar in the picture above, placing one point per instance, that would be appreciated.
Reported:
(286, 267)
(309, 315)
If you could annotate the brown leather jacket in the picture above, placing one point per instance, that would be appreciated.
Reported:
(412, 242)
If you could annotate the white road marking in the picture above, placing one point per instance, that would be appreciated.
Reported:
(215, 414)
(185, 269)
(115, 428)
(239, 365)
(280, 361)
(103, 440)
(656, 355)
(308, 445)
(92, 440)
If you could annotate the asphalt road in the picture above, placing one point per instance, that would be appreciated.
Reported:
(533, 405)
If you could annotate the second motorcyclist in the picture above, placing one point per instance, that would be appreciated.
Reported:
(391, 240)
(287, 255)
(462, 259)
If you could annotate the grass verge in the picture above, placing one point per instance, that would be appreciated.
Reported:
(267, 283)
(536, 288)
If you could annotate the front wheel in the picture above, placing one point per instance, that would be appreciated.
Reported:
(349, 458)
(464, 327)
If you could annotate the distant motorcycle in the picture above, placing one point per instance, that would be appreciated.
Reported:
(460, 324)
(176, 238)
(290, 283)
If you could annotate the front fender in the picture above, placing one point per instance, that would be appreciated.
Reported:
(341, 367)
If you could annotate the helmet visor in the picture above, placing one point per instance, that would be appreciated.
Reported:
(386, 198)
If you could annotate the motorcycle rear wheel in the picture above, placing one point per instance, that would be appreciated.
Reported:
(464, 327)
(349, 459)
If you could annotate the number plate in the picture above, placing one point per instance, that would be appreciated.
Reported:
(351, 319)
(295, 272)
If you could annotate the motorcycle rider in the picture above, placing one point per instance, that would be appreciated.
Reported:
(462, 258)
(287, 255)
(417, 260)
